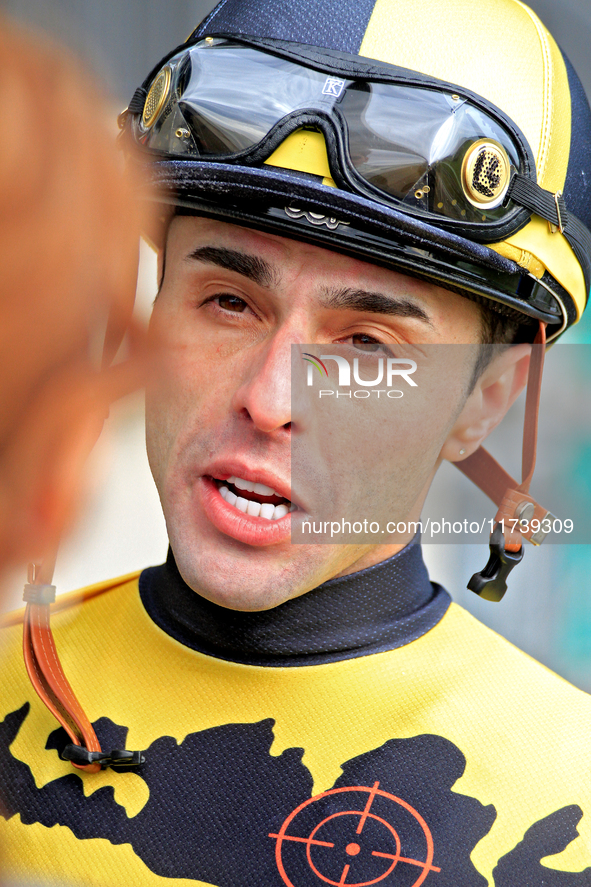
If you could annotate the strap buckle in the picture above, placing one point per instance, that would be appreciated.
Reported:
(77, 754)
(546, 525)
(560, 226)
(491, 582)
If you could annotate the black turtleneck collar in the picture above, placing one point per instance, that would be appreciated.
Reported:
(377, 609)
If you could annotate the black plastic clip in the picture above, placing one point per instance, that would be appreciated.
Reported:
(77, 754)
(491, 583)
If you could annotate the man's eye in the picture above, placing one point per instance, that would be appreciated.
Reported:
(231, 303)
(364, 343)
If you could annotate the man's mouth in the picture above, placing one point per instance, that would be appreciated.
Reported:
(255, 499)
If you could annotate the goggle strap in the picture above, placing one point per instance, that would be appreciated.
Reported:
(138, 100)
(552, 207)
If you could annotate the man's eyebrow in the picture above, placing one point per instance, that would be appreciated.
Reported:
(253, 267)
(373, 303)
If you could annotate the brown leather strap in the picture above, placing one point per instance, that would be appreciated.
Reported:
(44, 667)
(487, 474)
(494, 481)
(532, 406)
(40, 653)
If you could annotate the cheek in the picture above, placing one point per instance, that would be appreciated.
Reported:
(160, 435)
(376, 452)
(173, 403)
(187, 405)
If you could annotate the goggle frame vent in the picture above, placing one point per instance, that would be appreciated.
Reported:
(156, 98)
(486, 173)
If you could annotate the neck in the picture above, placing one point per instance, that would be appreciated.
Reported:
(379, 608)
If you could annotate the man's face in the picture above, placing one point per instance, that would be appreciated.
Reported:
(232, 303)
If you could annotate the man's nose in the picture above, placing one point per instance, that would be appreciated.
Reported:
(265, 394)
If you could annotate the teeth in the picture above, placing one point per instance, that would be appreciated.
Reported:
(241, 504)
(255, 509)
(264, 490)
(243, 484)
(250, 506)
(251, 487)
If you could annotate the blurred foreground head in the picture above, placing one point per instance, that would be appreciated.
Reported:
(68, 262)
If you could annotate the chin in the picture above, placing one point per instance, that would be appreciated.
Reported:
(251, 581)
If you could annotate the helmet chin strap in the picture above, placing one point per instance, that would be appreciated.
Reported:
(516, 508)
(49, 681)
(43, 664)
(41, 657)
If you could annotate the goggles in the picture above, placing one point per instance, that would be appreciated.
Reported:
(439, 153)
(426, 173)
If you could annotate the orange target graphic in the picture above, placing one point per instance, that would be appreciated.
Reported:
(358, 839)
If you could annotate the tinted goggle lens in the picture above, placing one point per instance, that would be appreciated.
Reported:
(230, 96)
(429, 149)
(417, 145)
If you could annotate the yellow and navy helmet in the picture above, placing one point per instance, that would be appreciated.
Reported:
(449, 140)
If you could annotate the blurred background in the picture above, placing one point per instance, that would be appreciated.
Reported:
(547, 610)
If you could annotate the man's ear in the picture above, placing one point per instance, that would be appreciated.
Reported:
(495, 390)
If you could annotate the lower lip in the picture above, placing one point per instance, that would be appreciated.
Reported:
(243, 527)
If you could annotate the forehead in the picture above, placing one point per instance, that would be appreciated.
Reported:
(313, 267)
(283, 252)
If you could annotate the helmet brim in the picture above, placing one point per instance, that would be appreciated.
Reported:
(299, 206)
